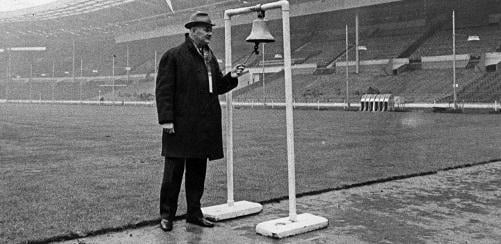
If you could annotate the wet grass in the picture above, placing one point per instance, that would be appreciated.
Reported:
(76, 169)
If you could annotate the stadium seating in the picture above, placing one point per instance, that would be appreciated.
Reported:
(17, 90)
(441, 42)
(417, 86)
(486, 88)
(389, 43)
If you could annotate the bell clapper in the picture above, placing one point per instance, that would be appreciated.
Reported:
(255, 51)
(256, 48)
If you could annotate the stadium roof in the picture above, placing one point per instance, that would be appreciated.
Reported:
(12, 5)
(57, 9)
(63, 19)
(84, 20)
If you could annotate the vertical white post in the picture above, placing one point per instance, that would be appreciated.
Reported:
(113, 78)
(229, 114)
(347, 69)
(81, 75)
(264, 87)
(454, 58)
(53, 75)
(155, 65)
(127, 68)
(8, 74)
(294, 224)
(31, 76)
(73, 62)
(289, 113)
(7, 79)
(357, 57)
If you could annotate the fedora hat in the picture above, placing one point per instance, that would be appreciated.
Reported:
(199, 18)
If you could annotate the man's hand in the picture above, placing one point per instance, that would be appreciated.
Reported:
(169, 128)
(237, 71)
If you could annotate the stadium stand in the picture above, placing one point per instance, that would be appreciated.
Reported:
(441, 42)
(389, 43)
(486, 88)
(417, 86)
(405, 29)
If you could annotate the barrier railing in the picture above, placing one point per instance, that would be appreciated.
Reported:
(84, 102)
(309, 105)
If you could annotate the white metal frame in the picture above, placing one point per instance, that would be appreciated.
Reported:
(288, 94)
(294, 224)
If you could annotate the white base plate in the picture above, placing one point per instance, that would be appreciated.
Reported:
(283, 227)
(224, 211)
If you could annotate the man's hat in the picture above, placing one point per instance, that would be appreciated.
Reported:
(199, 18)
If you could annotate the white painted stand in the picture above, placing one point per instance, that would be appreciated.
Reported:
(284, 227)
(231, 209)
(294, 224)
(227, 211)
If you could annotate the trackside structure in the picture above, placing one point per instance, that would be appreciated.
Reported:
(377, 102)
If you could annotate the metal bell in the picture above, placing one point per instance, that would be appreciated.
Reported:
(260, 32)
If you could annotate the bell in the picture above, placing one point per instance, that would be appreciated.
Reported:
(260, 32)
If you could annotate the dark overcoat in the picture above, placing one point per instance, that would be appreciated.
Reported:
(182, 97)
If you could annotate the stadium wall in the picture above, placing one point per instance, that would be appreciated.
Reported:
(296, 68)
(493, 58)
(78, 78)
(373, 65)
(445, 61)
(255, 73)
(432, 62)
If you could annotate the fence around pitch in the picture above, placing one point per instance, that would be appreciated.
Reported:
(84, 102)
(309, 105)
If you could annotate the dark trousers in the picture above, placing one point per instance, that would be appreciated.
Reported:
(171, 185)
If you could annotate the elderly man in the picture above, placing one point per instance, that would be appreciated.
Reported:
(187, 87)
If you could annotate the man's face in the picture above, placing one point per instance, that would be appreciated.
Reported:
(201, 34)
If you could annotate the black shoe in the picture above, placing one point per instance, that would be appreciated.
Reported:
(166, 225)
(200, 222)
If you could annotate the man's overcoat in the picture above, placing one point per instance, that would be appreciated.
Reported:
(182, 96)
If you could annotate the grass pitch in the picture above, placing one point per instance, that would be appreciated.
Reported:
(75, 169)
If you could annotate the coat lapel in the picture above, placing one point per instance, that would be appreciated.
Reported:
(191, 47)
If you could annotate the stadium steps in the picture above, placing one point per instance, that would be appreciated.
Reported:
(473, 62)
(324, 71)
(436, 26)
(488, 91)
(309, 88)
(441, 42)
(364, 36)
(486, 88)
(336, 58)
